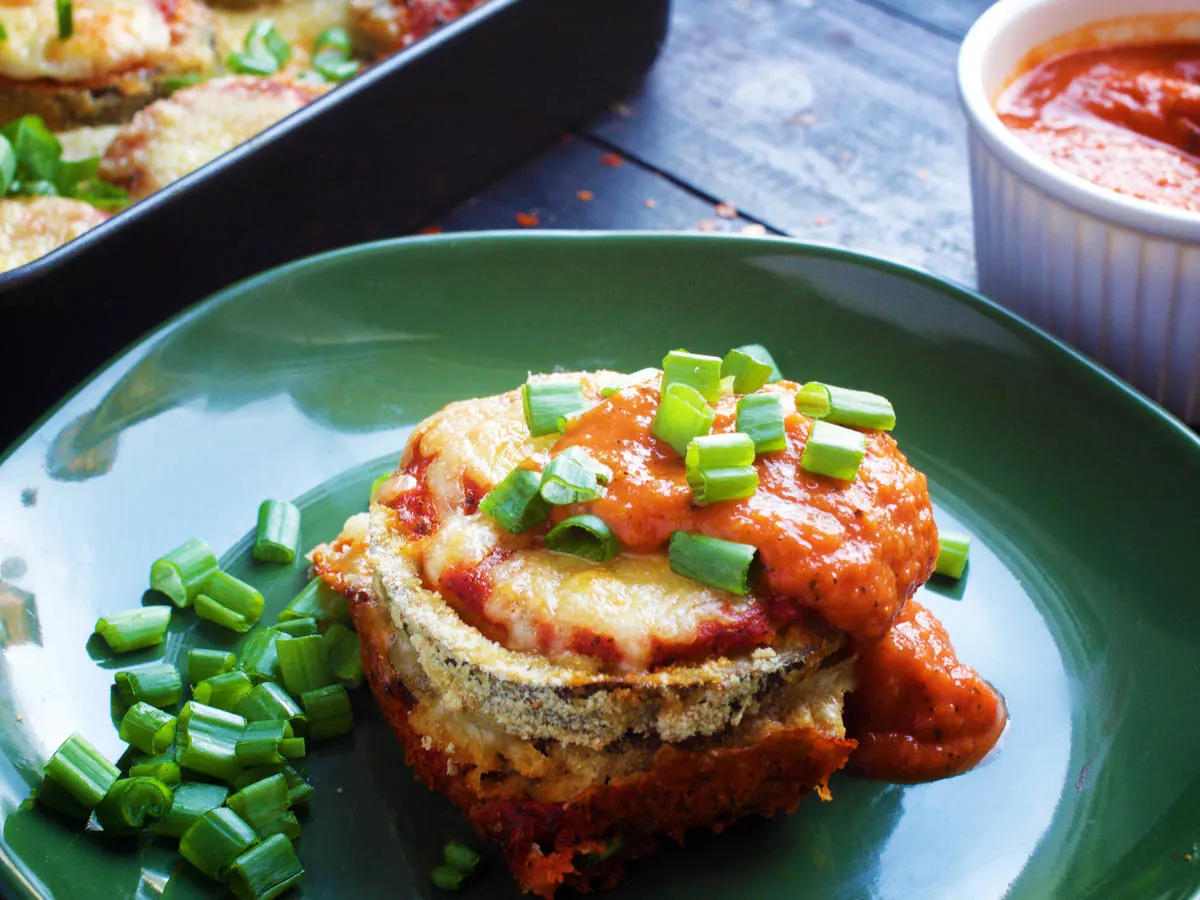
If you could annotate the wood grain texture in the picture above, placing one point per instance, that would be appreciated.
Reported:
(831, 120)
(625, 196)
(950, 17)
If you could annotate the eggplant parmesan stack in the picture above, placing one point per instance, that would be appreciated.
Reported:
(601, 610)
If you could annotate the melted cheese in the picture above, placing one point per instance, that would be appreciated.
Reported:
(299, 21)
(32, 227)
(110, 36)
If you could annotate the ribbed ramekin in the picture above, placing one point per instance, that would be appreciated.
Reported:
(1117, 277)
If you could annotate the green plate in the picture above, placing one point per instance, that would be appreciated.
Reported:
(1080, 602)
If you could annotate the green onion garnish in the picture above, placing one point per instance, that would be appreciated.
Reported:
(299, 627)
(207, 663)
(3, 37)
(624, 381)
(586, 536)
(66, 18)
(240, 600)
(375, 485)
(147, 728)
(180, 573)
(343, 655)
(268, 702)
(682, 414)
(331, 55)
(574, 477)
(447, 877)
(133, 804)
(300, 792)
(515, 502)
(548, 402)
(223, 691)
(159, 765)
(259, 743)
(711, 561)
(215, 840)
(727, 385)
(264, 52)
(266, 871)
(329, 713)
(277, 535)
(703, 373)
(763, 355)
(264, 806)
(721, 467)
(158, 684)
(317, 601)
(843, 406)
(192, 800)
(462, 857)
(211, 611)
(748, 373)
(302, 662)
(78, 777)
(133, 629)
(8, 165)
(259, 658)
(173, 83)
(953, 550)
(761, 417)
(337, 39)
(834, 451)
(206, 740)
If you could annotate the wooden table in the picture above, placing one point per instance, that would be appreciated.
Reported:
(829, 120)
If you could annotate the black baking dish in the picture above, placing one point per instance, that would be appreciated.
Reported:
(376, 158)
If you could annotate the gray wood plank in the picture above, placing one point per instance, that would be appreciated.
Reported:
(951, 17)
(828, 119)
(621, 196)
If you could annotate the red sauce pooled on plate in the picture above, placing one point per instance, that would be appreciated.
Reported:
(1124, 117)
(917, 712)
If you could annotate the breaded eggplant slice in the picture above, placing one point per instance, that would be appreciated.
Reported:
(30, 227)
(115, 62)
(383, 27)
(175, 136)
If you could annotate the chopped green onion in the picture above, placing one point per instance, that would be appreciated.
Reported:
(317, 601)
(623, 381)
(191, 801)
(277, 535)
(721, 467)
(266, 871)
(158, 684)
(149, 729)
(587, 536)
(133, 804)
(702, 373)
(211, 611)
(715, 485)
(333, 39)
(377, 482)
(834, 451)
(206, 741)
(259, 658)
(447, 877)
(180, 573)
(300, 792)
(546, 402)
(160, 765)
(251, 64)
(259, 743)
(8, 164)
(268, 701)
(247, 777)
(748, 373)
(292, 748)
(66, 18)
(574, 477)
(80, 775)
(953, 550)
(302, 662)
(215, 840)
(813, 400)
(855, 409)
(204, 664)
(711, 561)
(515, 502)
(727, 385)
(233, 594)
(343, 655)
(334, 67)
(329, 713)
(298, 627)
(223, 691)
(3, 37)
(461, 857)
(762, 355)
(760, 416)
(683, 414)
(264, 52)
(173, 83)
(264, 807)
(133, 629)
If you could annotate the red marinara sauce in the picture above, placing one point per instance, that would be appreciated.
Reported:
(1126, 118)
(917, 712)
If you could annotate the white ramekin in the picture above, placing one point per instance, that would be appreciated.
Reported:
(1117, 277)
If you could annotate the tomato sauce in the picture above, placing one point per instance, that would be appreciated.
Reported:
(1124, 117)
(917, 712)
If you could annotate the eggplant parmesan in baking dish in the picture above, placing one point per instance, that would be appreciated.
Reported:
(601, 610)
